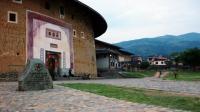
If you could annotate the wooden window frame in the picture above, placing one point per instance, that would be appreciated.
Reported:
(16, 15)
(62, 16)
(82, 35)
(74, 33)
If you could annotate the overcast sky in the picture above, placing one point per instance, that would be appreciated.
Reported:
(134, 19)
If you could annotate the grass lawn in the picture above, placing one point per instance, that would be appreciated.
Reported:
(152, 97)
(139, 74)
(185, 76)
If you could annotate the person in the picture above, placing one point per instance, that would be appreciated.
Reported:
(56, 68)
(160, 73)
(175, 74)
(51, 68)
(70, 72)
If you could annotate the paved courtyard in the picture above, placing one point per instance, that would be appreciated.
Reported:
(62, 99)
(150, 83)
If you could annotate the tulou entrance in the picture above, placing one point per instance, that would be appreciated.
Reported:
(53, 63)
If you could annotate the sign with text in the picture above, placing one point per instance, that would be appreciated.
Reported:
(35, 77)
(53, 34)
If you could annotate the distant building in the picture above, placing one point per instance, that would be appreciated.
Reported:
(137, 59)
(106, 55)
(111, 57)
(125, 60)
(157, 60)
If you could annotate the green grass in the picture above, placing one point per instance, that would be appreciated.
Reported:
(185, 76)
(152, 97)
(139, 74)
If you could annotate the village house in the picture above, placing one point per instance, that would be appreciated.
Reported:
(137, 59)
(157, 60)
(106, 55)
(125, 60)
(111, 57)
(59, 32)
(135, 63)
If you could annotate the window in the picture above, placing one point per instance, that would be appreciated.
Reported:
(82, 35)
(47, 5)
(18, 53)
(74, 33)
(112, 64)
(72, 17)
(17, 1)
(62, 12)
(12, 17)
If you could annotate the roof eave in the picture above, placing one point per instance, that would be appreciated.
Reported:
(98, 22)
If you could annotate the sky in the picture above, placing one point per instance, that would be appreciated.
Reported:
(136, 19)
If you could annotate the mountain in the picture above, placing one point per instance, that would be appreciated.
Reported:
(163, 45)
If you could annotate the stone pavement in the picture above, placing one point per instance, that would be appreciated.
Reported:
(62, 99)
(149, 83)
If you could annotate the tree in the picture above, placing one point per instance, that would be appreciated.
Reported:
(176, 57)
(191, 57)
(144, 65)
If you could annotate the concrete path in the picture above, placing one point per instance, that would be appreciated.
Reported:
(62, 99)
(150, 83)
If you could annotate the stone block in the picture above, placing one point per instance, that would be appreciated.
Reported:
(35, 77)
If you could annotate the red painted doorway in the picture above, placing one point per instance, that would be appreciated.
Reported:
(53, 63)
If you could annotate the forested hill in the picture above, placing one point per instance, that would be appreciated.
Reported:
(163, 45)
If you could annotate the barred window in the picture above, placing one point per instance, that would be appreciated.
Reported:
(12, 17)
(62, 10)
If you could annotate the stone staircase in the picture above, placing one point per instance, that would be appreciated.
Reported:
(162, 75)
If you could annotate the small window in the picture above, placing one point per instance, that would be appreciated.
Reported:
(72, 17)
(62, 11)
(47, 5)
(12, 17)
(17, 1)
(74, 33)
(82, 35)
(18, 53)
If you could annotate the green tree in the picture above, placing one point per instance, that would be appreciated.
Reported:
(144, 65)
(176, 57)
(191, 57)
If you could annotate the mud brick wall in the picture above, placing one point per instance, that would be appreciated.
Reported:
(13, 36)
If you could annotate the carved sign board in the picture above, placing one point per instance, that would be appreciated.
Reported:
(53, 45)
(53, 34)
(35, 77)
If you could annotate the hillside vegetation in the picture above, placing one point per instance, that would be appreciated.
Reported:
(163, 45)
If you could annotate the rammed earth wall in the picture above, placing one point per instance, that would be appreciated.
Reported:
(13, 36)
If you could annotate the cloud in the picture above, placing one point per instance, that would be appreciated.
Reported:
(133, 19)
